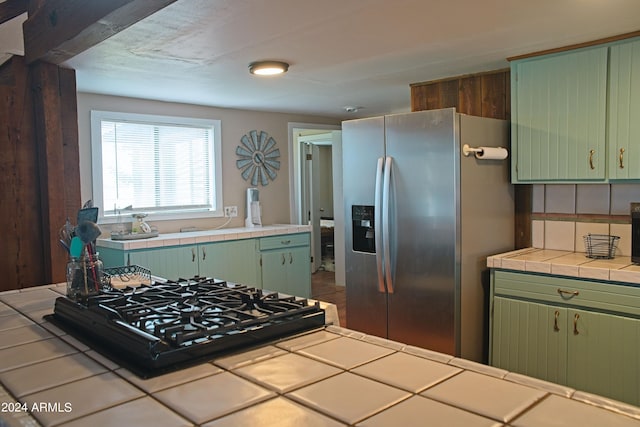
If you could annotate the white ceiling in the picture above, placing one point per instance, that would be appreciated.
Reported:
(362, 53)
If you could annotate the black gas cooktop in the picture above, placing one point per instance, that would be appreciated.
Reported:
(166, 326)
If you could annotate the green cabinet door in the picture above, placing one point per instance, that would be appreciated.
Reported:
(624, 111)
(558, 116)
(170, 263)
(604, 355)
(299, 272)
(274, 271)
(233, 260)
(530, 338)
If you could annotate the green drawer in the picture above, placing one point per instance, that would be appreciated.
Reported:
(284, 241)
(606, 296)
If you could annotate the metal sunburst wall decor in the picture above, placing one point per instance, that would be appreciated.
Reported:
(258, 157)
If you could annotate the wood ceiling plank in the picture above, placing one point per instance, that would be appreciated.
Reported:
(61, 29)
(9, 9)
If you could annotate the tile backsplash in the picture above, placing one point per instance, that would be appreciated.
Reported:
(564, 213)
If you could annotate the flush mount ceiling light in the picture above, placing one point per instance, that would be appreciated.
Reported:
(351, 109)
(268, 68)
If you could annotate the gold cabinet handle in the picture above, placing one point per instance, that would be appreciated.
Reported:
(283, 259)
(204, 254)
(575, 324)
(290, 258)
(193, 255)
(285, 242)
(591, 153)
(622, 158)
(570, 294)
(555, 321)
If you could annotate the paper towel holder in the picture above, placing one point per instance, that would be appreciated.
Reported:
(467, 150)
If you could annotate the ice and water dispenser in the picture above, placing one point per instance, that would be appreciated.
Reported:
(363, 228)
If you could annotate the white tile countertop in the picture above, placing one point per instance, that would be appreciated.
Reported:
(565, 263)
(329, 377)
(204, 236)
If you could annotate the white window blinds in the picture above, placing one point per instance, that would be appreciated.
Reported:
(156, 164)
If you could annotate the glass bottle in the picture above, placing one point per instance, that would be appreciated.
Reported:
(84, 277)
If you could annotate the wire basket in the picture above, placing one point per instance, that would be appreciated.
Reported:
(127, 276)
(601, 246)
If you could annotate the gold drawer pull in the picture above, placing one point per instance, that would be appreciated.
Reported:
(285, 242)
(575, 324)
(564, 293)
(555, 321)
(591, 153)
(622, 158)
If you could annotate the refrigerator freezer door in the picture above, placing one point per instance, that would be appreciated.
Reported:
(424, 228)
(363, 145)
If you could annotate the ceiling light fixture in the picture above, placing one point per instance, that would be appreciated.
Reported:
(351, 109)
(268, 68)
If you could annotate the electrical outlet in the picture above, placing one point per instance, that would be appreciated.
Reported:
(230, 211)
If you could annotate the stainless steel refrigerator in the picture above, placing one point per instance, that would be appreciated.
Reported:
(420, 220)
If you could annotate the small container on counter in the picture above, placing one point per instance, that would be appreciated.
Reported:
(85, 277)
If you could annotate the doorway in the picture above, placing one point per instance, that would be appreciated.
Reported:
(317, 197)
(316, 193)
(306, 139)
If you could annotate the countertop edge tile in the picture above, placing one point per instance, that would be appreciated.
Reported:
(620, 269)
(428, 354)
(383, 342)
(540, 384)
(478, 367)
(606, 403)
(346, 332)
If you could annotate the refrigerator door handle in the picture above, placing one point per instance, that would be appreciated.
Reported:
(386, 206)
(377, 209)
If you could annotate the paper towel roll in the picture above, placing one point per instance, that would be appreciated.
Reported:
(492, 153)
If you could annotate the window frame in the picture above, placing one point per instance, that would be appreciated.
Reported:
(97, 116)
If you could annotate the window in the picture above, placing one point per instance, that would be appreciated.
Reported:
(167, 167)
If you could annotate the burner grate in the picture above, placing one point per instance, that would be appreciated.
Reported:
(177, 321)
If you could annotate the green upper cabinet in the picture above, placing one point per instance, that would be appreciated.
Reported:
(559, 115)
(624, 111)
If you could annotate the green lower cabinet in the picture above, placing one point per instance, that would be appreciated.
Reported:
(288, 272)
(170, 263)
(280, 263)
(530, 339)
(604, 354)
(286, 264)
(558, 330)
(233, 261)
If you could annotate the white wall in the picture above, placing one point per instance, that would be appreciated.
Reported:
(235, 123)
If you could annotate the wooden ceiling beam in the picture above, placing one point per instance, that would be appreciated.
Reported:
(61, 29)
(9, 9)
